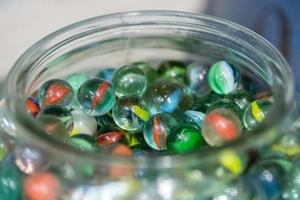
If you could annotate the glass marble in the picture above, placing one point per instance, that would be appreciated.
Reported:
(193, 118)
(255, 113)
(98, 191)
(30, 159)
(197, 78)
(124, 170)
(292, 189)
(255, 85)
(56, 92)
(60, 113)
(130, 113)
(169, 96)
(232, 161)
(173, 69)
(75, 171)
(203, 103)
(83, 123)
(140, 154)
(129, 80)
(96, 97)
(291, 193)
(221, 125)
(185, 139)
(241, 97)
(148, 70)
(142, 172)
(105, 120)
(266, 180)
(52, 126)
(237, 190)
(277, 158)
(108, 128)
(114, 190)
(3, 150)
(76, 80)
(33, 106)
(134, 140)
(157, 129)
(106, 74)
(41, 186)
(10, 180)
(228, 104)
(223, 78)
(109, 137)
(289, 144)
(82, 141)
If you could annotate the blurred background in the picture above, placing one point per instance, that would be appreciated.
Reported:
(24, 22)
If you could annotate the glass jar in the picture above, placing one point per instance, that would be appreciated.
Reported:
(122, 38)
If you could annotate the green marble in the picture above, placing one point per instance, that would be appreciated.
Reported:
(105, 120)
(241, 97)
(82, 141)
(3, 150)
(52, 125)
(228, 104)
(148, 70)
(75, 80)
(292, 189)
(173, 69)
(203, 103)
(59, 112)
(184, 140)
(10, 182)
(223, 78)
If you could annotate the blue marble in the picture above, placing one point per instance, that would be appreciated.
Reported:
(106, 74)
(169, 96)
(266, 181)
(174, 98)
(194, 118)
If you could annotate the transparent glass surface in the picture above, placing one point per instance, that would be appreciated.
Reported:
(153, 36)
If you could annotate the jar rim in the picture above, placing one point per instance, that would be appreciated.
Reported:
(20, 117)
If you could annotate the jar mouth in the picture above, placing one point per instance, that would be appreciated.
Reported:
(15, 87)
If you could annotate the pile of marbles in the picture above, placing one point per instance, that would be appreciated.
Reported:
(173, 108)
(140, 109)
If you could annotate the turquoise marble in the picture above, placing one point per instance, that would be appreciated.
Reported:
(96, 97)
(157, 129)
(223, 78)
(55, 92)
